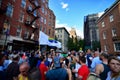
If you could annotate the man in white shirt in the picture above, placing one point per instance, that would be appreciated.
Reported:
(96, 60)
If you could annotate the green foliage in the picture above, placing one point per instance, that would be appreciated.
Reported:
(96, 45)
(74, 44)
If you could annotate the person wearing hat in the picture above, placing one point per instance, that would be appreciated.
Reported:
(58, 73)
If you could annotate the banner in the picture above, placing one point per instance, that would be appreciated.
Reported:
(43, 38)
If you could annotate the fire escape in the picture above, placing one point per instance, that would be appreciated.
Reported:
(33, 12)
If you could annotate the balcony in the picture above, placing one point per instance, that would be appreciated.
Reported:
(116, 38)
(3, 8)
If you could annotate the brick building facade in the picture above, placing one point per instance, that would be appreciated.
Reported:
(109, 28)
(21, 21)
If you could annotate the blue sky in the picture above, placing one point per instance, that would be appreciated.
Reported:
(70, 13)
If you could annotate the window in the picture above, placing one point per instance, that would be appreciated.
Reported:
(29, 8)
(41, 19)
(36, 3)
(114, 33)
(43, 10)
(49, 31)
(9, 11)
(60, 36)
(44, 30)
(103, 24)
(117, 46)
(28, 18)
(40, 27)
(23, 3)
(35, 13)
(21, 16)
(26, 34)
(61, 30)
(111, 18)
(105, 48)
(18, 33)
(46, 5)
(44, 21)
(43, 1)
(104, 35)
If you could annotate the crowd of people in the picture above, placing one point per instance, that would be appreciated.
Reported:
(56, 65)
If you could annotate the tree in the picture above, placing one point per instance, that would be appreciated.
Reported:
(70, 44)
(96, 45)
(75, 44)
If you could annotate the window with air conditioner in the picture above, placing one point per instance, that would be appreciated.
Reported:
(117, 46)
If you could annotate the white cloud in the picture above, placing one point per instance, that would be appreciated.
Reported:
(65, 6)
(79, 32)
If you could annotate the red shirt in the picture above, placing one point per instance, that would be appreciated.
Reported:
(84, 72)
(43, 68)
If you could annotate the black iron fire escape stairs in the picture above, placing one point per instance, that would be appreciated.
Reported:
(30, 10)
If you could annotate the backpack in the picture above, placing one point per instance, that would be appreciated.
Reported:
(93, 76)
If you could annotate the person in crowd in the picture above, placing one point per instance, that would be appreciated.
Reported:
(43, 68)
(24, 68)
(6, 62)
(102, 69)
(21, 60)
(13, 68)
(32, 60)
(77, 66)
(114, 64)
(88, 58)
(2, 72)
(95, 61)
(58, 73)
(83, 71)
